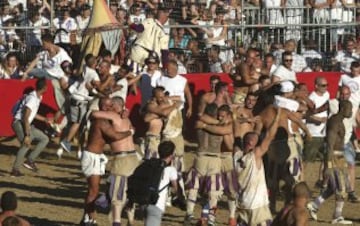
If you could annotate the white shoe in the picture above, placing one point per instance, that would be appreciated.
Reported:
(168, 201)
(79, 154)
(56, 127)
(340, 220)
(59, 152)
(312, 210)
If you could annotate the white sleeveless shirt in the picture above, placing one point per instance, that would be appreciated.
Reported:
(254, 192)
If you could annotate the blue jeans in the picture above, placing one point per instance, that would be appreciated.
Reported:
(349, 153)
(40, 73)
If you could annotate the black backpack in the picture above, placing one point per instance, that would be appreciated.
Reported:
(143, 184)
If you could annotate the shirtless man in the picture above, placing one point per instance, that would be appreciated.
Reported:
(219, 96)
(124, 162)
(8, 205)
(282, 154)
(204, 176)
(335, 164)
(295, 214)
(228, 174)
(253, 198)
(245, 121)
(246, 75)
(93, 160)
(157, 109)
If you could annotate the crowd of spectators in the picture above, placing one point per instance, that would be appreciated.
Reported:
(216, 45)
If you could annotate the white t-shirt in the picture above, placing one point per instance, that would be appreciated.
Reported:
(82, 22)
(154, 77)
(34, 37)
(285, 74)
(175, 86)
(78, 89)
(354, 84)
(170, 174)
(123, 91)
(69, 25)
(14, 3)
(53, 65)
(283, 102)
(31, 101)
(114, 69)
(137, 19)
(346, 60)
(299, 63)
(318, 130)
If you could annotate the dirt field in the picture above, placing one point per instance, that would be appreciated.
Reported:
(54, 195)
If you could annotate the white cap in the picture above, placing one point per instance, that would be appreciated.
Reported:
(287, 86)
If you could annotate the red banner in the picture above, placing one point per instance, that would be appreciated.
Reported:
(12, 90)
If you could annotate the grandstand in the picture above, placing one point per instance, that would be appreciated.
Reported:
(256, 24)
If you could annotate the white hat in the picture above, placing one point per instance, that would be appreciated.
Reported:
(287, 86)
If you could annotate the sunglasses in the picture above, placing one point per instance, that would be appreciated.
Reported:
(288, 60)
(323, 85)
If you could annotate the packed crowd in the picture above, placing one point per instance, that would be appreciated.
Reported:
(191, 46)
(268, 130)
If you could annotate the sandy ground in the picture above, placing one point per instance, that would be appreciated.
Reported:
(54, 195)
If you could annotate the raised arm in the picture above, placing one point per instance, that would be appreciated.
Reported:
(270, 134)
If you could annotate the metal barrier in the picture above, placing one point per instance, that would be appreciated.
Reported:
(327, 26)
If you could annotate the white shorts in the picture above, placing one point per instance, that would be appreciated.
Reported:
(93, 164)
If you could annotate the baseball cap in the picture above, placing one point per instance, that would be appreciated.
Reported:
(287, 86)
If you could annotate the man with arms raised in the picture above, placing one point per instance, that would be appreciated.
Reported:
(283, 155)
(93, 160)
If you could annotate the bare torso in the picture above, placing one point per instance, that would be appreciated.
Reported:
(241, 125)
(290, 216)
(228, 143)
(96, 139)
(126, 144)
(6, 214)
(155, 126)
(268, 115)
(336, 122)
